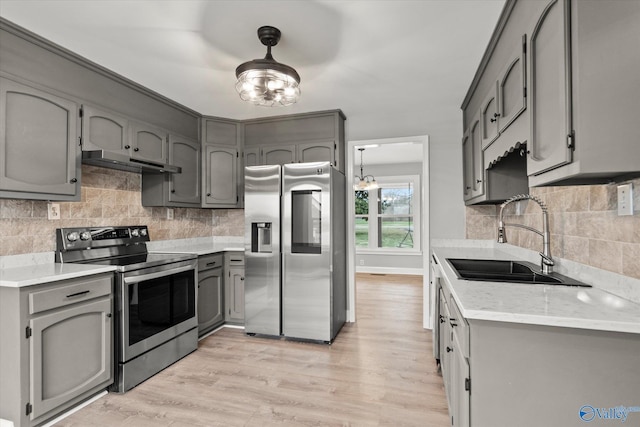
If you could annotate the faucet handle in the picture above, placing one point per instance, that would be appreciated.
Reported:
(547, 260)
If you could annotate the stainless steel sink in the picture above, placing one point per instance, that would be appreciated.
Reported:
(489, 270)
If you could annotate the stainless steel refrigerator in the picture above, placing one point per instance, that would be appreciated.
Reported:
(295, 251)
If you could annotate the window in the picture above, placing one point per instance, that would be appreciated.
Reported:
(388, 218)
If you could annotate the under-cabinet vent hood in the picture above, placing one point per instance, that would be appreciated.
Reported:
(108, 159)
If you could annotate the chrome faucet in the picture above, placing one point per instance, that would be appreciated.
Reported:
(546, 263)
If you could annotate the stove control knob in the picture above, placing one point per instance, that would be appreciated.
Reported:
(73, 236)
(135, 232)
(85, 235)
(143, 232)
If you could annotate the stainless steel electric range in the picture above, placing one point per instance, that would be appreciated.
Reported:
(155, 298)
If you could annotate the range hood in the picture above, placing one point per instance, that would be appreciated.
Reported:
(108, 159)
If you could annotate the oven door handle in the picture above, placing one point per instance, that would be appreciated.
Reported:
(163, 273)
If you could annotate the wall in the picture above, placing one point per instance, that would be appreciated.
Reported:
(109, 197)
(584, 226)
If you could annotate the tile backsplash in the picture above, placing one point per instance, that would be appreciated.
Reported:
(584, 224)
(109, 197)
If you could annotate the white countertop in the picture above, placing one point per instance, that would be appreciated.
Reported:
(37, 274)
(203, 248)
(551, 305)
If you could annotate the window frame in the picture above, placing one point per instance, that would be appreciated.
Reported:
(374, 216)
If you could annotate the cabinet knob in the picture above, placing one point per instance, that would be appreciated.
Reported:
(242, 278)
(442, 319)
(73, 180)
(468, 187)
(108, 314)
(478, 181)
(173, 191)
(449, 349)
(208, 194)
(126, 147)
(495, 117)
(136, 149)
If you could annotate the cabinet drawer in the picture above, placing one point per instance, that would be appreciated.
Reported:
(459, 327)
(69, 293)
(236, 259)
(206, 262)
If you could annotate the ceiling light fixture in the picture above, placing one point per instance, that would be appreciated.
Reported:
(268, 82)
(365, 182)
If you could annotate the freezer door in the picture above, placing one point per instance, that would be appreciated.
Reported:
(262, 250)
(306, 235)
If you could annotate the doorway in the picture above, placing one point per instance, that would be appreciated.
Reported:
(390, 236)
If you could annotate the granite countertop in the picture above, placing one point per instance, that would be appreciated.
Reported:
(37, 274)
(551, 305)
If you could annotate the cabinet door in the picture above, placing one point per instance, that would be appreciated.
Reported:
(489, 117)
(221, 176)
(512, 88)
(38, 143)
(252, 156)
(210, 298)
(445, 349)
(467, 165)
(477, 183)
(184, 187)
(70, 353)
(149, 143)
(235, 295)
(316, 152)
(279, 155)
(551, 122)
(460, 381)
(103, 130)
(219, 132)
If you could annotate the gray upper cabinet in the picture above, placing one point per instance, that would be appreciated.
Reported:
(307, 137)
(467, 165)
(222, 171)
(317, 152)
(184, 187)
(489, 117)
(148, 143)
(512, 88)
(39, 143)
(477, 186)
(176, 189)
(585, 99)
(220, 177)
(567, 96)
(252, 156)
(550, 90)
(278, 154)
(102, 130)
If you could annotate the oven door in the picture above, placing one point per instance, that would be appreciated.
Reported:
(157, 304)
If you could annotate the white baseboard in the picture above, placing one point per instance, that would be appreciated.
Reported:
(389, 270)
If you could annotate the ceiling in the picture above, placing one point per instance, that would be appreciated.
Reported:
(395, 68)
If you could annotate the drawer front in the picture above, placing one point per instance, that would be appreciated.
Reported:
(70, 292)
(461, 329)
(235, 259)
(206, 262)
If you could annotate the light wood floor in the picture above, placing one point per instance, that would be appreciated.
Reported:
(378, 372)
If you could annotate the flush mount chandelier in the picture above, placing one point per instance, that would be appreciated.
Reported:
(365, 182)
(268, 82)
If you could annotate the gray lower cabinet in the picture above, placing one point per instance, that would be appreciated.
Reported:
(210, 292)
(176, 189)
(234, 287)
(504, 374)
(61, 342)
(39, 144)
